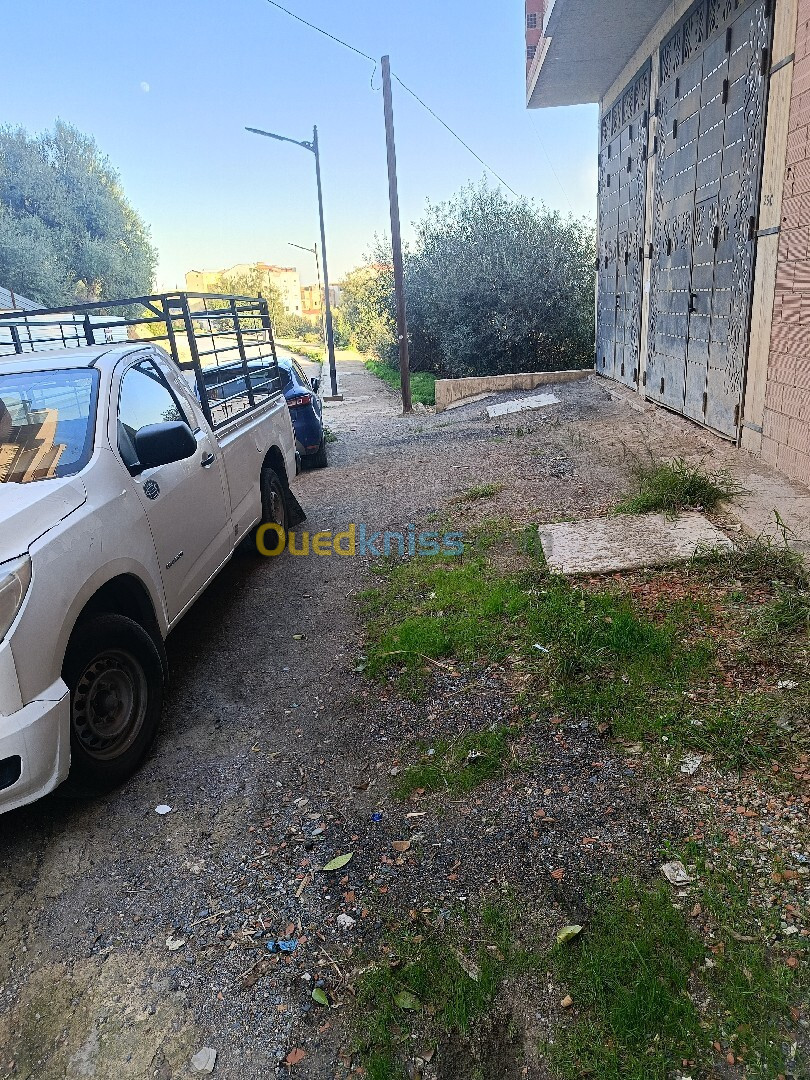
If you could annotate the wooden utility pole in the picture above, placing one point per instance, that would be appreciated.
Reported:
(396, 239)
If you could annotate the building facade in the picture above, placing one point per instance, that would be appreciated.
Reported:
(312, 301)
(703, 278)
(284, 278)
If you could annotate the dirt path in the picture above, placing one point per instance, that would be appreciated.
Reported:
(275, 754)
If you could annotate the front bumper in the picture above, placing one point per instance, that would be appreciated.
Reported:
(34, 749)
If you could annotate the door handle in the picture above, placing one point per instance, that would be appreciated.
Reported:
(693, 296)
(209, 459)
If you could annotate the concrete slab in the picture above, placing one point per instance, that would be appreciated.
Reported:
(628, 542)
(506, 408)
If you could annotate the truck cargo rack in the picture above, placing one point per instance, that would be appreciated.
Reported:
(226, 341)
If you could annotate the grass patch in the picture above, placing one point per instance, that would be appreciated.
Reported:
(648, 999)
(423, 384)
(329, 435)
(672, 486)
(629, 974)
(591, 650)
(693, 666)
(448, 987)
(459, 765)
(482, 491)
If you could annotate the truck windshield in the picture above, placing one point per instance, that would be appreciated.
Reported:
(46, 423)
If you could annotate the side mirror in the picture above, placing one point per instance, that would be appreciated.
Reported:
(160, 444)
(316, 385)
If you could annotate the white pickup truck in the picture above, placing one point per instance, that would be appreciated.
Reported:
(126, 484)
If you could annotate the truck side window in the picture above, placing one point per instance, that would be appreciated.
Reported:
(145, 399)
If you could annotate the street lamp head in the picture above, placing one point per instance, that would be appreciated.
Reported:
(281, 138)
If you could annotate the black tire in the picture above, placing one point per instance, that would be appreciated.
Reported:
(274, 501)
(318, 460)
(115, 676)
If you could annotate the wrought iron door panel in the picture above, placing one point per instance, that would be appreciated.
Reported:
(711, 132)
(622, 206)
(739, 200)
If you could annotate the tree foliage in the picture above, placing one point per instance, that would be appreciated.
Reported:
(67, 232)
(493, 286)
(365, 317)
(252, 282)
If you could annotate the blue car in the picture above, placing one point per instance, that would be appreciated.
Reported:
(306, 411)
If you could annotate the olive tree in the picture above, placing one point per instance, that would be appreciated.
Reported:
(494, 285)
(67, 231)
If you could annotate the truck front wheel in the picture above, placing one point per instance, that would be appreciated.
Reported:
(115, 676)
(274, 501)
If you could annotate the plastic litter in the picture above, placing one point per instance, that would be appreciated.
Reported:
(676, 873)
(163, 809)
(204, 1060)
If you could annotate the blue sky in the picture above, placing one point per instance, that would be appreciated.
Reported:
(167, 86)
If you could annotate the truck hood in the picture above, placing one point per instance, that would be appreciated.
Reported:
(29, 510)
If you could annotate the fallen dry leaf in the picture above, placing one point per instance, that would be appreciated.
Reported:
(294, 1057)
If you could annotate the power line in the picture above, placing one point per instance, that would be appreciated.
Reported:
(414, 95)
(456, 136)
(312, 26)
(550, 162)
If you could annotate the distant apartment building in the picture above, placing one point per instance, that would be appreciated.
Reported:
(284, 278)
(312, 301)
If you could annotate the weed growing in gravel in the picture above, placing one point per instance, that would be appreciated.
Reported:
(459, 765)
(434, 987)
(671, 486)
(482, 491)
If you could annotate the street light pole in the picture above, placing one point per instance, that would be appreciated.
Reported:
(327, 303)
(330, 336)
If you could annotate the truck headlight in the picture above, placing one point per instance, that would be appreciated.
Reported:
(15, 577)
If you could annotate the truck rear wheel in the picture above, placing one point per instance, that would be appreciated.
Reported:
(115, 676)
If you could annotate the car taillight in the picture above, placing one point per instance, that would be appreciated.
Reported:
(302, 399)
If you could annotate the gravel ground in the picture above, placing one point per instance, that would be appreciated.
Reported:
(131, 940)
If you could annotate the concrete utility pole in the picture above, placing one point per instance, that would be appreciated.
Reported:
(396, 239)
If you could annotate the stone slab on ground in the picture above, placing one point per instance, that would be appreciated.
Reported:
(505, 408)
(627, 542)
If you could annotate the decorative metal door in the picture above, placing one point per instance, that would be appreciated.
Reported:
(711, 129)
(622, 206)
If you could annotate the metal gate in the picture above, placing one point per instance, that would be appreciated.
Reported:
(622, 206)
(711, 127)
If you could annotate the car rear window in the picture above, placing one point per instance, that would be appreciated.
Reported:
(46, 423)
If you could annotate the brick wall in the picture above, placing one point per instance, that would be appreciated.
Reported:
(535, 13)
(786, 423)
